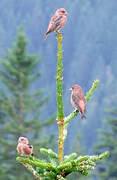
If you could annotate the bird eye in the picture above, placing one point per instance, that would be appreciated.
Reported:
(63, 11)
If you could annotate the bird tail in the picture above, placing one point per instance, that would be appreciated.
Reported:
(83, 115)
(45, 36)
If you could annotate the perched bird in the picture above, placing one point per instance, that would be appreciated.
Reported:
(23, 147)
(57, 21)
(78, 99)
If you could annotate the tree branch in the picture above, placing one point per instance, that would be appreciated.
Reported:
(33, 171)
(59, 81)
(74, 113)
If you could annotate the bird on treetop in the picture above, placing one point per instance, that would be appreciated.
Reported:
(57, 21)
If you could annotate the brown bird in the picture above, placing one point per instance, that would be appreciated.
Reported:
(57, 21)
(23, 147)
(78, 99)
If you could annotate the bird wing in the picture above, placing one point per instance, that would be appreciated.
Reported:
(79, 103)
(54, 23)
(80, 94)
(26, 149)
(75, 101)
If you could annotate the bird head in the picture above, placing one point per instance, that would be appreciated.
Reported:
(61, 11)
(75, 87)
(23, 140)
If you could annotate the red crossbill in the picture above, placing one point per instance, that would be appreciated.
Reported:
(57, 21)
(78, 99)
(23, 147)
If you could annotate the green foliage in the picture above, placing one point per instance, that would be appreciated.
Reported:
(70, 164)
(20, 107)
(59, 78)
(108, 140)
(79, 149)
(58, 167)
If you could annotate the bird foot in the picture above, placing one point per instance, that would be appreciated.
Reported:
(57, 32)
(75, 110)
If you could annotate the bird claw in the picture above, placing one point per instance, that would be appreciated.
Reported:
(75, 110)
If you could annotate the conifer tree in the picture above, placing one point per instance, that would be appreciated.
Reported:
(108, 138)
(78, 148)
(20, 107)
(59, 166)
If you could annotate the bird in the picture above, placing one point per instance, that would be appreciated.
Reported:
(23, 147)
(57, 21)
(78, 99)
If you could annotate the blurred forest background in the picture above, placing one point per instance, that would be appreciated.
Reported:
(28, 79)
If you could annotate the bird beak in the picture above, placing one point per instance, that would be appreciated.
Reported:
(66, 13)
(70, 89)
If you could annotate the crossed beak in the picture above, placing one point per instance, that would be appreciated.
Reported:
(70, 89)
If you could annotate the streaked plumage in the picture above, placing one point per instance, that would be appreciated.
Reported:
(57, 21)
(78, 99)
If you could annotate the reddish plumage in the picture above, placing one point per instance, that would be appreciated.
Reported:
(78, 99)
(23, 147)
(23, 140)
(57, 21)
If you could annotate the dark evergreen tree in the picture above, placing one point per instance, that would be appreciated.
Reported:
(20, 107)
(108, 140)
